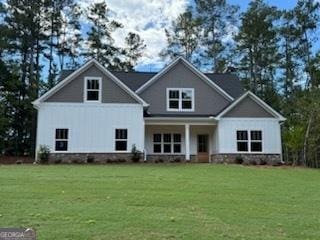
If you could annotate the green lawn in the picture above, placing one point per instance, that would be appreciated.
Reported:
(161, 201)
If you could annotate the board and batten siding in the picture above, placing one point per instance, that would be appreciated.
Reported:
(91, 126)
(270, 127)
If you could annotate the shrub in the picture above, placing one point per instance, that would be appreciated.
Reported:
(19, 161)
(43, 153)
(239, 160)
(90, 159)
(136, 154)
(263, 162)
(57, 161)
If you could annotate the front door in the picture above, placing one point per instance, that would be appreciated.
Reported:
(203, 148)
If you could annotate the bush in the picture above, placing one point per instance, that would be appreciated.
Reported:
(239, 160)
(136, 154)
(43, 154)
(263, 162)
(90, 159)
(57, 161)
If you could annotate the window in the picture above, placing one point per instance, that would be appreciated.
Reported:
(121, 139)
(180, 99)
(61, 140)
(93, 89)
(157, 143)
(242, 141)
(256, 141)
(167, 143)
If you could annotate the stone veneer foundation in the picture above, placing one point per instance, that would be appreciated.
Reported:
(251, 159)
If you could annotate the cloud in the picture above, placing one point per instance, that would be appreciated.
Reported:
(148, 18)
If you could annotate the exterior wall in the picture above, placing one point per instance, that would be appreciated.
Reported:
(271, 134)
(91, 126)
(248, 108)
(194, 131)
(251, 159)
(207, 100)
(74, 91)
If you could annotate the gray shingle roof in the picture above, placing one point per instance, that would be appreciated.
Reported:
(227, 81)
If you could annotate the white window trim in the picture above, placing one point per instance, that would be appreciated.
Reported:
(116, 139)
(249, 141)
(162, 143)
(55, 140)
(180, 109)
(85, 89)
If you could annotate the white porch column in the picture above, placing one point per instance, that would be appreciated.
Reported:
(187, 140)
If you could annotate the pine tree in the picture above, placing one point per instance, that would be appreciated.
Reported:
(100, 44)
(217, 18)
(257, 44)
(133, 50)
(183, 38)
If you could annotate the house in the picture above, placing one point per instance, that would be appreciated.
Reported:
(176, 114)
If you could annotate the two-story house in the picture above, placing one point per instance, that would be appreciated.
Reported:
(177, 113)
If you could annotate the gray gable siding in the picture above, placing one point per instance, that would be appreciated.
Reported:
(248, 108)
(207, 100)
(74, 90)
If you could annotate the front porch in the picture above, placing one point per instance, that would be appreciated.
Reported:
(176, 140)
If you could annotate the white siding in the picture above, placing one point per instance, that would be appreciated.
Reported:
(91, 126)
(271, 134)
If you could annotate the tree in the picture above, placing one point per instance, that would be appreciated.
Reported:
(183, 38)
(133, 50)
(307, 17)
(217, 18)
(257, 44)
(100, 44)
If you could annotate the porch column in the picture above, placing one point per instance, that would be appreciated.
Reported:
(187, 140)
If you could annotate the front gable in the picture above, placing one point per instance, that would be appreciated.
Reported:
(208, 99)
(72, 88)
(250, 106)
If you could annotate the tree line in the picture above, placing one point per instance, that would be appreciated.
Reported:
(276, 54)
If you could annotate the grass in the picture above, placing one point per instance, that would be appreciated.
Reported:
(161, 201)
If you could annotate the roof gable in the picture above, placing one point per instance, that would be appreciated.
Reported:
(193, 69)
(81, 70)
(249, 106)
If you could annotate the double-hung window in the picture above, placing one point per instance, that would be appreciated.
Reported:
(242, 141)
(121, 139)
(180, 99)
(92, 89)
(249, 141)
(167, 143)
(61, 139)
(256, 141)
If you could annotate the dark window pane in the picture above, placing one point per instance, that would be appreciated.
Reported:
(186, 105)
(256, 135)
(157, 137)
(242, 135)
(121, 133)
(61, 146)
(174, 104)
(92, 84)
(92, 95)
(167, 148)
(121, 145)
(173, 94)
(177, 148)
(177, 138)
(256, 147)
(242, 146)
(61, 133)
(157, 148)
(187, 94)
(167, 138)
